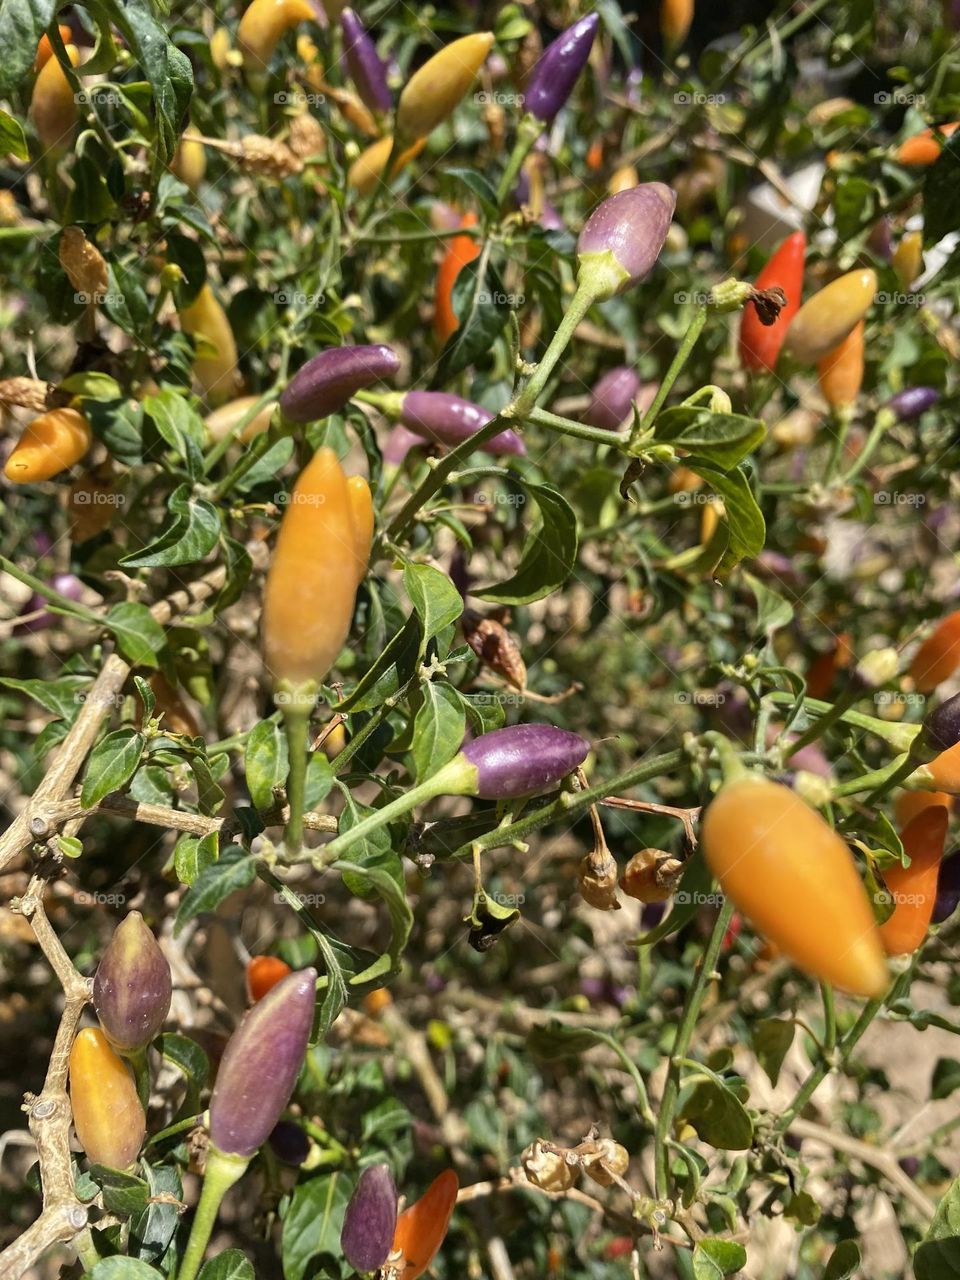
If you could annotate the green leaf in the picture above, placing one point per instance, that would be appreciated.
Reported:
(119, 1268)
(844, 1261)
(478, 185)
(391, 889)
(235, 869)
(773, 612)
(61, 697)
(549, 553)
(313, 1223)
(721, 439)
(193, 534)
(713, 1259)
(229, 1265)
(152, 1230)
(123, 1193)
(266, 762)
(772, 1038)
(395, 666)
(941, 209)
(743, 516)
(12, 139)
(438, 729)
(166, 68)
(138, 634)
(719, 1117)
(179, 425)
(480, 303)
(435, 599)
(188, 1057)
(113, 762)
(946, 1078)
(22, 23)
(938, 1254)
(193, 855)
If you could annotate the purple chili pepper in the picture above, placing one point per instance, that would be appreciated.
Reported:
(552, 79)
(447, 419)
(811, 759)
(67, 585)
(523, 759)
(260, 1065)
(370, 1220)
(941, 726)
(948, 888)
(132, 986)
(913, 401)
(628, 228)
(367, 69)
(611, 400)
(325, 384)
(289, 1143)
(399, 443)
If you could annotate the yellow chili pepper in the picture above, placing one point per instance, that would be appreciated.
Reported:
(675, 19)
(262, 25)
(189, 162)
(107, 1114)
(215, 368)
(53, 105)
(49, 444)
(840, 371)
(433, 92)
(907, 260)
(824, 320)
(361, 508)
(220, 422)
(623, 179)
(367, 170)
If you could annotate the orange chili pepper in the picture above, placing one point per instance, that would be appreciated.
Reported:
(460, 251)
(107, 1114)
(53, 106)
(264, 972)
(840, 371)
(422, 1227)
(823, 669)
(45, 48)
(914, 888)
(909, 804)
(939, 655)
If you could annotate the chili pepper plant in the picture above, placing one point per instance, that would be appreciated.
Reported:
(479, 639)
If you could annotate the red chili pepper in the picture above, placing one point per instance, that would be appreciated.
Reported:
(759, 343)
(914, 888)
(264, 972)
(460, 251)
(422, 1227)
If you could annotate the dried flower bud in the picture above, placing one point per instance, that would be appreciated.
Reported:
(652, 875)
(84, 264)
(268, 157)
(132, 986)
(598, 880)
(495, 647)
(547, 1170)
(768, 303)
(25, 393)
(306, 137)
(370, 1220)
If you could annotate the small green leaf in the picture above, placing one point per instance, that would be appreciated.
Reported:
(844, 1261)
(719, 1117)
(721, 439)
(266, 762)
(938, 1254)
(434, 597)
(772, 1038)
(229, 1265)
(556, 1041)
(549, 553)
(743, 517)
(123, 1193)
(193, 534)
(113, 762)
(438, 729)
(714, 1259)
(235, 869)
(313, 1222)
(138, 634)
(192, 855)
(481, 304)
(946, 1078)
(12, 138)
(120, 1268)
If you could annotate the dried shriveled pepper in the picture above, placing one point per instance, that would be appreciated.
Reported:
(53, 105)
(263, 974)
(107, 1113)
(215, 365)
(422, 1227)
(824, 320)
(760, 343)
(132, 987)
(49, 444)
(914, 888)
(460, 251)
(939, 656)
(433, 92)
(495, 647)
(840, 371)
(790, 873)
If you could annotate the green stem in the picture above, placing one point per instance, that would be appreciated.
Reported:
(61, 603)
(141, 1073)
(458, 778)
(567, 427)
(643, 1100)
(824, 722)
(528, 131)
(580, 304)
(296, 720)
(236, 740)
(688, 1022)
(866, 781)
(841, 419)
(898, 736)
(731, 765)
(884, 420)
(172, 1130)
(412, 237)
(829, 1017)
(343, 758)
(679, 360)
(222, 1172)
(221, 447)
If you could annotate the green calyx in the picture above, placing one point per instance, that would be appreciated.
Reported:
(221, 1172)
(601, 276)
